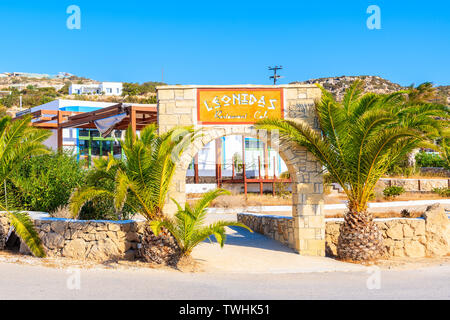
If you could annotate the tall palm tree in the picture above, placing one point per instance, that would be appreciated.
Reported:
(142, 179)
(423, 93)
(18, 140)
(188, 224)
(359, 139)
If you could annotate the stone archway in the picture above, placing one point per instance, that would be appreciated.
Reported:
(178, 105)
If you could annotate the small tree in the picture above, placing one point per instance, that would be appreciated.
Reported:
(188, 224)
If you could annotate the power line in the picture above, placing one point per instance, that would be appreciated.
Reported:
(275, 77)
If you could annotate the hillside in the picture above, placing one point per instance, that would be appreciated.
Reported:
(444, 91)
(338, 85)
(19, 82)
(36, 91)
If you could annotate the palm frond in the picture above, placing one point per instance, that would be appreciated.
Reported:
(24, 228)
(80, 197)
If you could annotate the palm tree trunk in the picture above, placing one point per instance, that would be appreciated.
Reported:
(359, 238)
(161, 249)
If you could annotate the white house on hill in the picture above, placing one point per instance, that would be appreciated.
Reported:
(107, 88)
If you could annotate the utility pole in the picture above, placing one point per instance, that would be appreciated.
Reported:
(275, 77)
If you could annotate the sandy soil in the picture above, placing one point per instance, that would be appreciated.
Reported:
(413, 263)
(244, 253)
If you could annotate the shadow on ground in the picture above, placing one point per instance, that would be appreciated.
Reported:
(237, 236)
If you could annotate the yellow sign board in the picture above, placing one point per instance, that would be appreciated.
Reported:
(238, 106)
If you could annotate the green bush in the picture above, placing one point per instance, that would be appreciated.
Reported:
(443, 192)
(103, 209)
(393, 191)
(424, 159)
(44, 183)
(13, 199)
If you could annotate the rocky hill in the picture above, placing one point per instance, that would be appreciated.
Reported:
(20, 82)
(444, 91)
(338, 85)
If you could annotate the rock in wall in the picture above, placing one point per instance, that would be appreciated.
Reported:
(89, 239)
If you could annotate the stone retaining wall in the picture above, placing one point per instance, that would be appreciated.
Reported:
(99, 240)
(280, 228)
(415, 185)
(436, 170)
(4, 229)
(410, 185)
(419, 237)
(103, 240)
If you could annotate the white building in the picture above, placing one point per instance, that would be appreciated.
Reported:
(106, 88)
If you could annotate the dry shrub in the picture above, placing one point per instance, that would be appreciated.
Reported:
(252, 200)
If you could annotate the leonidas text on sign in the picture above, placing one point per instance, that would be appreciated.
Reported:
(238, 106)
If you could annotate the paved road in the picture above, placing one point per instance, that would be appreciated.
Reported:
(36, 282)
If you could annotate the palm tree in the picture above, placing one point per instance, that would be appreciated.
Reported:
(18, 140)
(445, 148)
(360, 138)
(188, 224)
(424, 92)
(142, 179)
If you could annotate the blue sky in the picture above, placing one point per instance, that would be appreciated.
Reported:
(228, 42)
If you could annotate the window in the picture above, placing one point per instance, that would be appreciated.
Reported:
(108, 90)
(83, 132)
(91, 145)
(251, 143)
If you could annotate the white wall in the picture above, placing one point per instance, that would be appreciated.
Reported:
(109, 88)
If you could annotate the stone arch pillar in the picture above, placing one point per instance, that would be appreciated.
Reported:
(177, 105)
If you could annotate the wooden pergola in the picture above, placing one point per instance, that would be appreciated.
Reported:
(138, 116)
